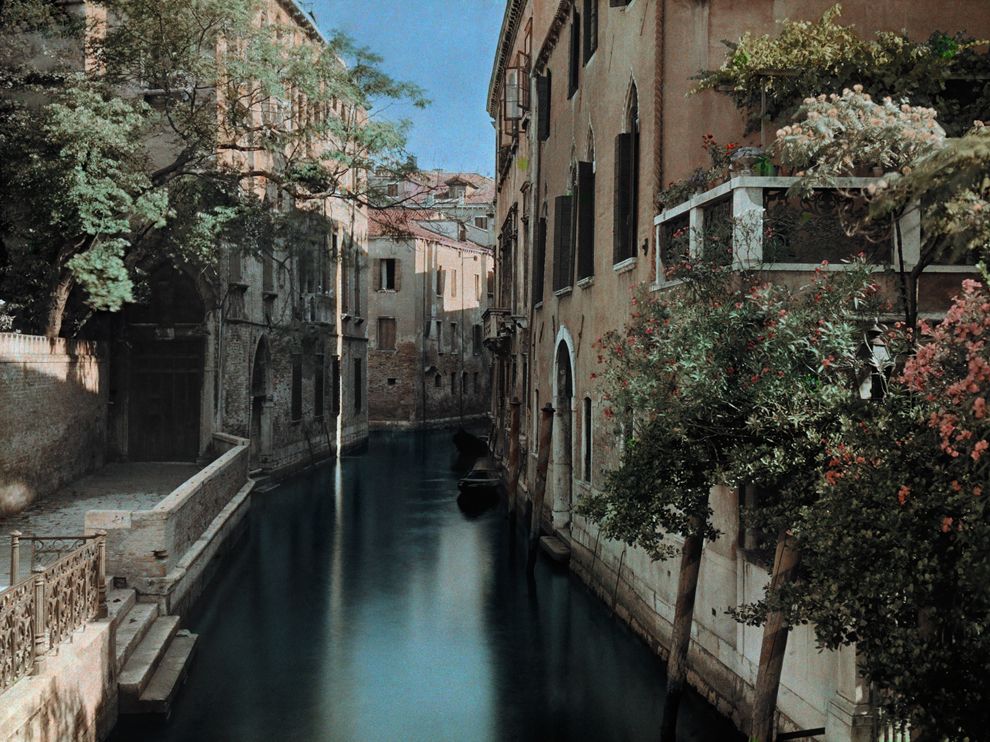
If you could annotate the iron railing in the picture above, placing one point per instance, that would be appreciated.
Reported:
(65, 589)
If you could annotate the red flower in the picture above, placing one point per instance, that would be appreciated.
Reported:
(903, 493)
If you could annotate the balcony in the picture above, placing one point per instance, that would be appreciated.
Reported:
(751, 221)
(318, 308)
(499, 326)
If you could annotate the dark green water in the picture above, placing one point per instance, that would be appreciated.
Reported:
(363, 605)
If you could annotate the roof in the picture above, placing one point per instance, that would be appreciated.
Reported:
(401, 223)
(433, 181)
(507, 39)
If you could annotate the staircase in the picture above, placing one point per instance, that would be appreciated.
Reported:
(153, 654)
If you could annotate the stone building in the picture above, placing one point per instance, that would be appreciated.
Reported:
(430, 264)
(270, 346)
(592, 115)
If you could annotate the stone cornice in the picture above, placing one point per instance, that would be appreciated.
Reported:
(507, 39)
(553, 34)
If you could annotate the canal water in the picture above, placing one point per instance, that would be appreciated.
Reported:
(364, 605)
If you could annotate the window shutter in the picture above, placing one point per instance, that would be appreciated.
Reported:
(621, 197)
(540, 260)
(634, 197)
(586, 220)
(543, 106)
(377, 278)
(562, 253)
(574, 66)
(397, 274)
(441, 282)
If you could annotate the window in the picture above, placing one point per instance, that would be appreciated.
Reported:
(453, 383)
(624, 230)
(539, 260)
(358, 386)
(386, 333)
(590, 28)
(477, 286)
(267, 272)
(335, 381)
(563, 254)
(440, 276)
(491, 285)
(464, 379)
(437, 381)
(585, 222)
(543, 88)
(453, 283)
(391, 381)
(453, 337)
(234, 261)
(388, 274)
(439, 337)
(392, 189)
(586, 430)
(475, 382)
(296, 401)
(481, 222)
(476, 340)
(319, 379)
(574, 61)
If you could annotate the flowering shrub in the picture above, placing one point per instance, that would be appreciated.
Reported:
(841, 135)
(701, 178)
(824, 56)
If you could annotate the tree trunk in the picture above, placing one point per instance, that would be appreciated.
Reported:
(774, 644)
(57, 300)
(680, 639)
(514, 463)
(540, 485)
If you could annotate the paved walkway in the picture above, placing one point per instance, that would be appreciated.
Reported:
(131, 486)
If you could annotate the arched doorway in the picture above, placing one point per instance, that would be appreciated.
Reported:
(562, 447)
(261, 439)
(165, 333)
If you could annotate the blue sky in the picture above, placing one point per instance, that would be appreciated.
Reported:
(444, 46)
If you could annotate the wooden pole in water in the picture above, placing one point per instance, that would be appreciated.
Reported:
(540, 485)
(775, 631)
(514, 464)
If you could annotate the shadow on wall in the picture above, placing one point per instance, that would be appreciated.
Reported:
(54, 396)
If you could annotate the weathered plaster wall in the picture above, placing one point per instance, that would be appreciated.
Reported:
(53, 415)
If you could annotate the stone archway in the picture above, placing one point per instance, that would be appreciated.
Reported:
(562, 444)
(261, 405)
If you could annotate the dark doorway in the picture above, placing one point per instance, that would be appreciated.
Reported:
(165, 334)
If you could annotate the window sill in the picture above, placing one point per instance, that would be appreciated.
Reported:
(623, 266)
(586, 283)
(566, 291)
(387, 291)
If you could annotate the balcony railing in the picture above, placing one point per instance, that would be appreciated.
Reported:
(752, 221)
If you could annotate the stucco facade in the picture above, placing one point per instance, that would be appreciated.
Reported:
(427, 363)
(586, 137)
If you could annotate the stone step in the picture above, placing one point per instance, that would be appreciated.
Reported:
(556, 549)
(132, 629)
(141, 665)
(119, 603)
(169, 677)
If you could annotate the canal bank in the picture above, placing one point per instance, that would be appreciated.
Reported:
(363, 605)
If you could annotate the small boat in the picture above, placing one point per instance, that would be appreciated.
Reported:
(469, 444)
(479, 488)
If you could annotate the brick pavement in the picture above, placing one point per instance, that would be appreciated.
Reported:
(129, 486)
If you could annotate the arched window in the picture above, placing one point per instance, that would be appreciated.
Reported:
(624, 221)
(584, 212)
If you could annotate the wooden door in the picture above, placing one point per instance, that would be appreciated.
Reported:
(164, 404)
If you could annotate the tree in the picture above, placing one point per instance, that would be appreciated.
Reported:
(733, 381)
(150, 136)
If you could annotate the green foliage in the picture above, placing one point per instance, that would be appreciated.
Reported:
(894, 542)
(152, 149)
(732, 380)
(947, 73)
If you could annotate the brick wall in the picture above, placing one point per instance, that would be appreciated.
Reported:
(53, 415)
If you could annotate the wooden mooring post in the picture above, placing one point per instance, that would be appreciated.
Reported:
(514, 464)
(540, 485)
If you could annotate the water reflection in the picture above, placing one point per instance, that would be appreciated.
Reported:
(364, 606)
